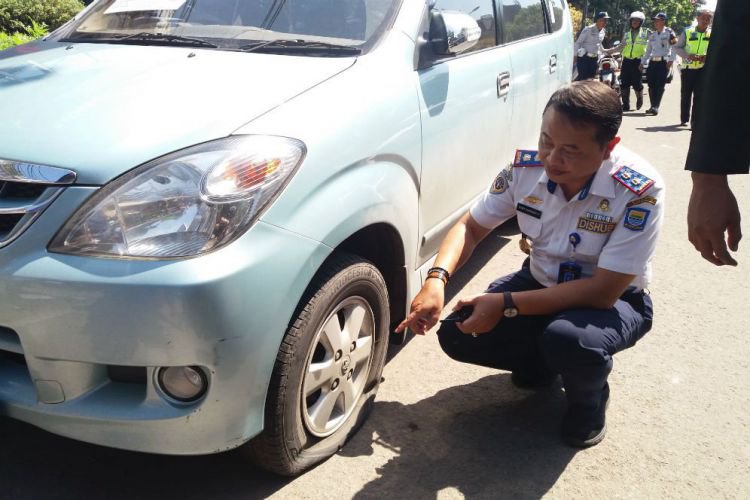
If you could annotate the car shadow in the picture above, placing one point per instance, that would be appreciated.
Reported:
(37, 464)
(486, 439)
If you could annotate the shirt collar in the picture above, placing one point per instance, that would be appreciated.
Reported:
(600, 185)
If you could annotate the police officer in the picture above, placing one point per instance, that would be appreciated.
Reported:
(588, 47)
(632, 49)
(658, 60)
(593, 211)
(692, 46)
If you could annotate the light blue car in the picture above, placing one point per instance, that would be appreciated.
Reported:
(212, 212)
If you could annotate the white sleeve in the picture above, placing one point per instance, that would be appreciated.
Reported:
(497, 204)
(631, 245)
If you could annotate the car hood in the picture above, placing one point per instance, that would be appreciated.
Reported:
(104, 109)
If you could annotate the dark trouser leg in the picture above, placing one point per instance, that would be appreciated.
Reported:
(657, 79)
(511, 345)
(586, 68)
(579, 344)
(689, 81)
(698, 91)
(630, 76)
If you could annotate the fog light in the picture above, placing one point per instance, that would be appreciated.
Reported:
(183, 383)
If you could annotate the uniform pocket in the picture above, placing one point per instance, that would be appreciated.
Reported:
(529, 225)
(591, 245)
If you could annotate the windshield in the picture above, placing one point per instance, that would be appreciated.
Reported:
(250, 25)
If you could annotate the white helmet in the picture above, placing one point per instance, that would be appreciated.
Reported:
(638, 15)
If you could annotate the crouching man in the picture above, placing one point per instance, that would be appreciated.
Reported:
(592, 210)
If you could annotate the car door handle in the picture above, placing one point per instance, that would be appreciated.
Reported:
(503, 84)
(553, 63)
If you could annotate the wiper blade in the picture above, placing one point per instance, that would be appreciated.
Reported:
(299, 46)
(163, 37)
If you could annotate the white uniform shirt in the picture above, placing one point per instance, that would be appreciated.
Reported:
(590, 39)
(658, 46)
(618, 221)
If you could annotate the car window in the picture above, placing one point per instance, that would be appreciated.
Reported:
(233, 23)
(482, 11)
(522, 19)
(555, 10)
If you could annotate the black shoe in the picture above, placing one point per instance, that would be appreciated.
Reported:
(585, 425)
(626, 108)
(532, 380)
(652, 111)
(683, 124)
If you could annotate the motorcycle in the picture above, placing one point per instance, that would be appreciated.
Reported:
(608, 70)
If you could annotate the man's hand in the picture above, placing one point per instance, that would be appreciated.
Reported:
(713, 211)
(425, 308)
(488, 311)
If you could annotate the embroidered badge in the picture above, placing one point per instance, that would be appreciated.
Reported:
(502, 181)
(635, 218)
(596, 223)
(632, 180)
(596, 216)
(499, 185)
(527, 158)
(638, 201)
(604, 205)
(525, 209)
(533, 200)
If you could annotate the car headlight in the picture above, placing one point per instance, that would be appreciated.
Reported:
(184, 204)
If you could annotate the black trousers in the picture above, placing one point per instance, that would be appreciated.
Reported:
(586, 67)
(578, 344)
(690, 92)
(657, 78)
(630, 76)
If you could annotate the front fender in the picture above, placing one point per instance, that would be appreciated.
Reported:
(371, 191)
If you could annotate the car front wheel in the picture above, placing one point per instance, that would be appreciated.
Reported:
(328, 367)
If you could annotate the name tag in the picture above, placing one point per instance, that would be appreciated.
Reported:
(525, 209)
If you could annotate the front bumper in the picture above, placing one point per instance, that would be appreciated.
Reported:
(66, 321)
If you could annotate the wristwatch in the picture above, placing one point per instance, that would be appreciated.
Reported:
(510, 311)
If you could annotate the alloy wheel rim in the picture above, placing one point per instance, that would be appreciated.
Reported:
(338, 366)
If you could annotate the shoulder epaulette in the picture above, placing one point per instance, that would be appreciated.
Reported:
(527, 158)
(634, 181)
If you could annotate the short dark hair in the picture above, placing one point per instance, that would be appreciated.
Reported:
(592, 103)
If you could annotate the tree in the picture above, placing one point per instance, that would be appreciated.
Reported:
(17, 15)
(680, 12)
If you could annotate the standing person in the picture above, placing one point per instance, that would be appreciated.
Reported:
(658, 60)
(588, 47)
(632, 49)
(719, 146)
(692, 46)
(593, 210)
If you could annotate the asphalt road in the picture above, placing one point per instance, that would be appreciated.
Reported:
(678, 423)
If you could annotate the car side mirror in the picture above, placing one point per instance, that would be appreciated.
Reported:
(453, 32)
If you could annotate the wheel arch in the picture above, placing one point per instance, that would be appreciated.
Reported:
(382, 245)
